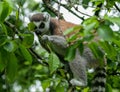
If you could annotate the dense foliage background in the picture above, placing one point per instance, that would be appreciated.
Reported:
(23, 69)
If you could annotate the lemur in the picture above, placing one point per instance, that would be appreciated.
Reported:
(50, 31)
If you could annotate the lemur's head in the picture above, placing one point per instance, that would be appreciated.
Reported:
(42, 23)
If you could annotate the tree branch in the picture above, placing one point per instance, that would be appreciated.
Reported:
(56, 12)
(76, 8)
(117, 7)
(70, 10)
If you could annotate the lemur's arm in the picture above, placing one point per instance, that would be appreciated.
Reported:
(57, 43)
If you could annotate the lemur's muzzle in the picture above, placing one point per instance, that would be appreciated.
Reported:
(38, 32)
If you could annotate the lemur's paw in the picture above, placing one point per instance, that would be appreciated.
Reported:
(45, 37)
(76, 82)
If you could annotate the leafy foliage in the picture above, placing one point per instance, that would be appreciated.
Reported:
(20, 67)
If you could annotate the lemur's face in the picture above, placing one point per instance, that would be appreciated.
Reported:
(41, 22)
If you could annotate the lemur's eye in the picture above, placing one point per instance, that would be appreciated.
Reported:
(42, 25)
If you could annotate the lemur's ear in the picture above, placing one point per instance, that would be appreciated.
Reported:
(46, 16)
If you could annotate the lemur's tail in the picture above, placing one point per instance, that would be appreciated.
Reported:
(99, 81)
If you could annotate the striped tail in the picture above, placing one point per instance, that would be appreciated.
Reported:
(99, 81)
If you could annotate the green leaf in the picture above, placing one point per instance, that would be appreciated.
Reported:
(70, 53)
(46, 83)
(62, 86)
(21, 2)
(72, 30)
(6, 9)
(88, 37)
(108, 88)
(26, 54)
(89, 24)
(36, 6)
(31, 26)
(96, 50)
(117, 42)
(105, 32)
(97, 2)
(4, 28)
(3, 39)
(10, 46)
(1, 7)
(110, 3)
(3, 59)
(85, 3)
(113, 19)
(116, 81)
(81, 47)
(2, 65)
(27, 40)
(86, 89)
(53, 62)
(10, 2)
(12, 66)
(73, 37)
(109, 49)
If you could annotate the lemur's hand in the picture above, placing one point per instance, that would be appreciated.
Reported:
(45, 37)
(57, 43)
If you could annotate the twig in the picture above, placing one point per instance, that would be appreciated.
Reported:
(117, 7)
(56, 12)
(37, 56)
(59, 10)
(70, 10)
(76, 8)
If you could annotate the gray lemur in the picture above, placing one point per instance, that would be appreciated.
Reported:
(50, 31)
